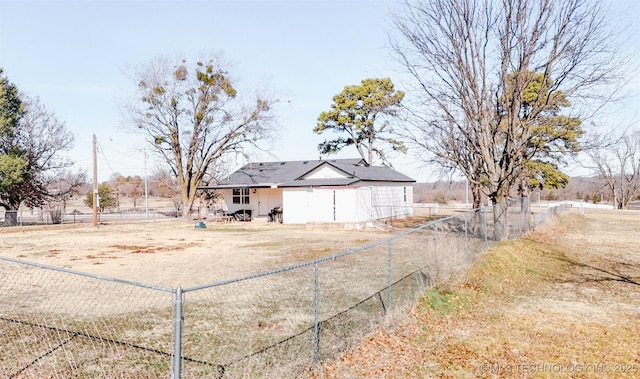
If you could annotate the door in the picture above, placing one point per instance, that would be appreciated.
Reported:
(268, 198)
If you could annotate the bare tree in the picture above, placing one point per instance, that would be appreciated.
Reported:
(116, 182)
(192, 118)
(41, 139)
(130, 186)
(616, 160)
(474, 65)
(134, 189)
(61, 188)
(166, 186)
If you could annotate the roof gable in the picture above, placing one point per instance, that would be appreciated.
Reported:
(325, 171)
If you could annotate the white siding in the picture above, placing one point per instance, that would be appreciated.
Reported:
(227, 195)
(226, 199)
(346, 204)
(364, 203)
(268, 198)
(392, 201)
(301, 205)
(324, 172)
(318, 205)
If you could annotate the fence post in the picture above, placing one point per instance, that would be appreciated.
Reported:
(177, 344)
(436, 237)
(486, 232)
(390, 275)
(316, 314)
(466, 237)
(527, 214)
(437, 258)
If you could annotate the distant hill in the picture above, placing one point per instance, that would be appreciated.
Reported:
(591, 189)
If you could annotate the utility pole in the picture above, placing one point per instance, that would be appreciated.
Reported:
(95, 183)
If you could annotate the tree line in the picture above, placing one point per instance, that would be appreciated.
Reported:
(33, 168)
(499, 92)
(134, 190)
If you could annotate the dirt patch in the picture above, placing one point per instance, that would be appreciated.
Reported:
(134, 249)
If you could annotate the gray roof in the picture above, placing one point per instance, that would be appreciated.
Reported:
(291, 173)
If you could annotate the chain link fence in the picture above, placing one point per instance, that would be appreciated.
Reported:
(59, 323)
(30, 217)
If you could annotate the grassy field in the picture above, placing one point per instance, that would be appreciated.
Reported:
(63, 324)
(563, 302)
(264, 325)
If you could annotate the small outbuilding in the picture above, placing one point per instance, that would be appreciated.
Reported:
(335, 190)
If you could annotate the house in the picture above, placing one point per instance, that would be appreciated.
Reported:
(336, 190)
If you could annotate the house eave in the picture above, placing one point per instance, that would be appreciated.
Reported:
(337, 182)
(243, 185)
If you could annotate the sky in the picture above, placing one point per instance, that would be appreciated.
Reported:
(74, 55)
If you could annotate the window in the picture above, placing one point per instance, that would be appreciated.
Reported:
(240, 196)
(405, 194)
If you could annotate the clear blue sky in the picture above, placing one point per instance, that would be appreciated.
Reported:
(73, 54)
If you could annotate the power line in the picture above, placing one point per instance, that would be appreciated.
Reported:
(121, 165)
(101, 148)
(124, 154)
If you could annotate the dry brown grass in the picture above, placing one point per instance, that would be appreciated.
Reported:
(224, 325)
(175, 253)
(564, 302)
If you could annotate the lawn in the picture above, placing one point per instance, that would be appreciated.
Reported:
(172, 253)
(562, 302)
(78, 325)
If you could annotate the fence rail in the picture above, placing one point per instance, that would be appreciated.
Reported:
(61, 323)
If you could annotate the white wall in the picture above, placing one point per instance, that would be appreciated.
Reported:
(324, 172)
(350, 204)
(329, 204)
(391, 201)
(227, 195)
(261, 202)
(267, 199)
(301, 205)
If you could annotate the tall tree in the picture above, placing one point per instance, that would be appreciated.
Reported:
(474, 64)
(361, 112)
(192, 117)
(13, 161)
(11, 109)
(32, 146)
(45, 139)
